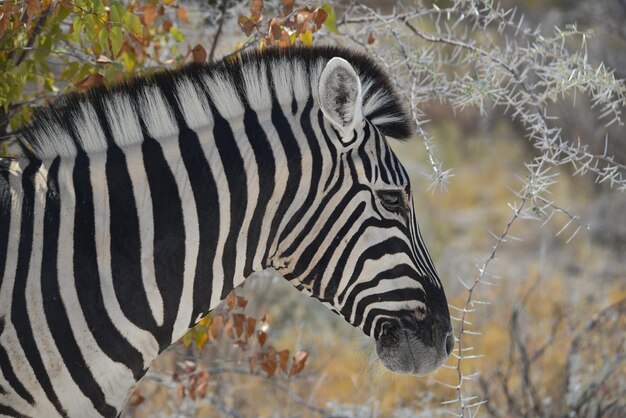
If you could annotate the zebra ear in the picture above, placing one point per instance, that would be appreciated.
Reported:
(340, 95)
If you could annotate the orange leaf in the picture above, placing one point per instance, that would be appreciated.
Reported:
(319, 16)
(216, 327)
(239, 320)
(241, 302)
(167, 25)
(371, 39)
(228, 328)
(246, 24)
(182, 14)
(283, 360)
(261, 336)
(288, 6)
(135, 398)
(150, 14)
(256, 9)
(250, 326)
(33, 9)
(230, 300)
(199, 54)
(299, 362)
(90, 81)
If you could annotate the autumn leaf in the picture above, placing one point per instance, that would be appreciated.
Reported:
(149, 14)
(241, 302)
(299, 362)
(256, 10)
(250, 327)
(261, 337)
(288, 6)
(246, 24)
(230, 300)
(283, 360)
(182, 14)
(307, 38)
(91, 80)
(199, 54)
(135, 399)
(319, 17)
(216, 327)
(239, 320)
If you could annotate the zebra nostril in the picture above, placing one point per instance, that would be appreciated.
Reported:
(449, 343)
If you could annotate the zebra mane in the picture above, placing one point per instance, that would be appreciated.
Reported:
(156, 104)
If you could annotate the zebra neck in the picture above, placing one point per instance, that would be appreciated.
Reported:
(228, 191)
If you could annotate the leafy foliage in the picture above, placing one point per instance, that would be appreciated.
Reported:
(50, 47)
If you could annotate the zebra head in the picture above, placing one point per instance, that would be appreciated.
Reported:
(363, 255)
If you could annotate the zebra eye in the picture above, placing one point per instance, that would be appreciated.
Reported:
(391, 199)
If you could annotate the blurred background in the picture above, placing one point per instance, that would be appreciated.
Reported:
(517, 170)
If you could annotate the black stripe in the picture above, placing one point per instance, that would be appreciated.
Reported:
(392, 245)
(294, 168)
(266, 165)
(9, 374)
(389, 164)
(125, 245)
(316, 166)
(87, 277)
(400, 270)
(56, 314)
(19, 313)
(306, 229)
(234, 171)
(169, 234)
(207, 205)
(330, 145)
(380, 147)
(319, 270)
(395, 295)
(125, 242)
(365, 159)
(6, 410)
(206, 199)
(5, 214)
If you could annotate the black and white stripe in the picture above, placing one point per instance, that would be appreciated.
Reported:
(135, 209)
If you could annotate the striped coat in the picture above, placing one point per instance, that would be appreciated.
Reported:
(135, 209)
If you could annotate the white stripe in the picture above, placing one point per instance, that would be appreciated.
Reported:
(68, 393)
(123, 120)
(8, 338)
(88, 129)
(143, 340)
(174, 160)
(156, 114)
(194, 105)
(225, 96)
(143, 204)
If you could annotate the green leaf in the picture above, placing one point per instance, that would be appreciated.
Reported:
(117, 39)
(117, 12)
(77, 26)
(331, 20)
(177, 35)
(103, 40)
(132, 22)
(90, 28)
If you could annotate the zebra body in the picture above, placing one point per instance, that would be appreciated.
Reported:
(136, 209)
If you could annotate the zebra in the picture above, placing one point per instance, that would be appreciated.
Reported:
(133, 210)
